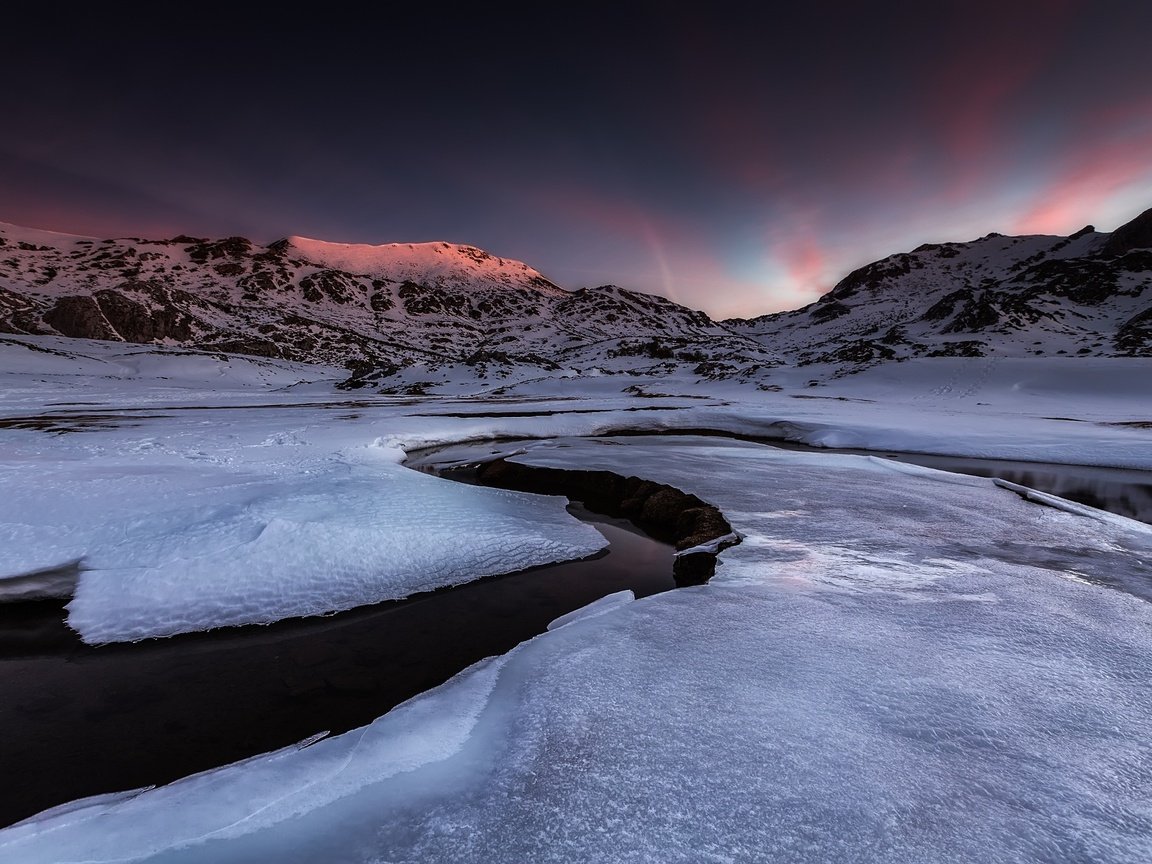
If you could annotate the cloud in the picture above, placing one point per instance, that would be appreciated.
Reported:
(1109, 160)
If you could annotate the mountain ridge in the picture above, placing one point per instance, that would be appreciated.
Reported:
(404, 316)
(1087, 293)
(384, 309)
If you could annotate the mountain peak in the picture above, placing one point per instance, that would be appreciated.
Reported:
(439, 262)
(1136, 234)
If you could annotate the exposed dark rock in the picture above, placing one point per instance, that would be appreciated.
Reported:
(968, 348)
(484, 356)
(822, 311)
(328, 283)
(381, 301)
(131, 320)
(230, 247)
(1136, 234)
(945, 306)
(19, 314)
(871, 276)
(894, 335)
(80, 318)
(229, 268)
(663, 511)
(260, 282)
(977, 313)
(859, 351)
(1135, 334)
(244, 345)
(1083, 280)
(1137, 261)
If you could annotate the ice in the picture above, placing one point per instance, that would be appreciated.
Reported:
(269, 789)
(54, 583)
(890, 667)
(597, 607)
(894, 665)
(712, 546)
(1072, 506)
(166, 548)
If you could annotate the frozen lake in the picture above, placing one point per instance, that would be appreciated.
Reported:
(66, 705)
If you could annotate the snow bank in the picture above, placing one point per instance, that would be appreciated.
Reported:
(597, 607)
(291, 551)
(171, 542)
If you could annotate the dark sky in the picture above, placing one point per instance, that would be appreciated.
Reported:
(737, 157)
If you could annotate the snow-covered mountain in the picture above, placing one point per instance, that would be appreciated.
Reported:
(1086, 294)
(423, 308)
(409, 317)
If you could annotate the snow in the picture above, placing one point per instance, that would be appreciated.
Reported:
(894, 664)
(430, 263)
(597, 607)
(40, 236)
(1027, 310)
(51, 371)
(170, 544)
(254, 551)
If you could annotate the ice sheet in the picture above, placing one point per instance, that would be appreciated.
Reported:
(894, 665)
(597, 607)
(889, 668)
(167, 544)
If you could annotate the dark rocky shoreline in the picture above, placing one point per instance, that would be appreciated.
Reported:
(661, 511)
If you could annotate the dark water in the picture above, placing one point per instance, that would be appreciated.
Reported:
(77, 720)
(1125, 491)
(1117, 490)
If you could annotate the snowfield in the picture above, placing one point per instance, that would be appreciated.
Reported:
(894, 665)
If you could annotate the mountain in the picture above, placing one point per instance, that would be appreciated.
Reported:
(404, 318)
(1086, 294)
(396, 315)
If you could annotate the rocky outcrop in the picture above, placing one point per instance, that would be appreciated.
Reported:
(662, 511)
(81, 318)
(1135, 336)
(1008, 296)
(1136, 234)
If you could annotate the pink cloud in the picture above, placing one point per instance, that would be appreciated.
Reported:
(1092, 172)
(976, 98)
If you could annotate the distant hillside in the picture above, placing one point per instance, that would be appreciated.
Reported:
(376, 310)
(1086, 294)
(406, 317)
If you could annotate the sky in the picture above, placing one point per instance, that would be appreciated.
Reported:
(740, 158)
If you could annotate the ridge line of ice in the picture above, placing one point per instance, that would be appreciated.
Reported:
(714, 547)
(1073, 507)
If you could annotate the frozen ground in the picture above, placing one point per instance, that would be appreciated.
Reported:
(895, 665)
